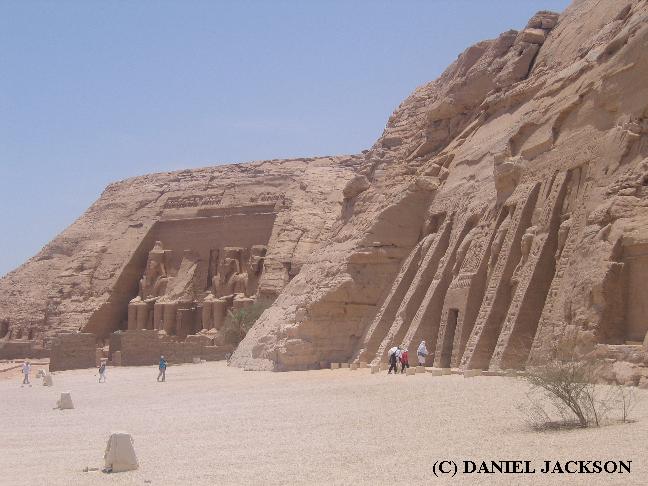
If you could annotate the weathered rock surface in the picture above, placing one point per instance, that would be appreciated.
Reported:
(505, 204)
(531, 219)
(85, 278)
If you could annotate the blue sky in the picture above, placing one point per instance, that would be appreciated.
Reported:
(92, 92)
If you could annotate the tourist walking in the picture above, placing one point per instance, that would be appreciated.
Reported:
(393, 359)
(404, 359)
(102, 371)
(422, 353)
(26, 369)
(162, 367)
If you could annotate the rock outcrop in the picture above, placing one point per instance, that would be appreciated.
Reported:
(154, 250)
(505, 205)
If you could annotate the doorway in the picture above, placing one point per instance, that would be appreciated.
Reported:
(448, 339)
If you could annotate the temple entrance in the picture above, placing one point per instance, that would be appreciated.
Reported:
(451, 326)
(636, 298)
(4, 328)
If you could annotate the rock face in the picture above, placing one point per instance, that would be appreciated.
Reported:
(505, 204)
(174, 252)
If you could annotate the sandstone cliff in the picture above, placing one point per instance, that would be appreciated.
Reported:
(504, 204)
(85, 278)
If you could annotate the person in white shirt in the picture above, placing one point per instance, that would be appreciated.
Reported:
(392, 355)
(422, 353)
(26, 369)
(102, 371)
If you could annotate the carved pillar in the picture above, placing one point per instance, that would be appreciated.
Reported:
(169, 317)
(219, 311)
(132, 316)
(207, 313)
(158, 316)
(142, 315)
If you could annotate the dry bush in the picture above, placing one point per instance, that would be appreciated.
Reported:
(565, 393)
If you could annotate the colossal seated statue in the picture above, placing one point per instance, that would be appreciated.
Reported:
(151, 286)
(233, 285)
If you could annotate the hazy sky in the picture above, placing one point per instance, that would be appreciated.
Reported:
(93, 92)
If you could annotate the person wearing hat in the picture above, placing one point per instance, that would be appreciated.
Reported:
(162, 366)
(392, 354)
(422, 353)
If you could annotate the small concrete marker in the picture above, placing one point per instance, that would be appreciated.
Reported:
(446, 371)
(420, 369)
(65, 402)
(353, 366)
(335, 366)
(120, 453)
(47, 380)
(410, 371)
(196, 360)
(435, 372)
(375, 369)
(472, 373)
(344, 365)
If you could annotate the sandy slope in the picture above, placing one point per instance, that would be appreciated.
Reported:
(210, 424)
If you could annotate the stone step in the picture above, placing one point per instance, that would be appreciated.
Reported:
(472, 373)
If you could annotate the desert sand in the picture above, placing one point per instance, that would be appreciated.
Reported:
(213, 424)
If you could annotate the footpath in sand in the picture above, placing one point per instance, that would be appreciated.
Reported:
(210, 424)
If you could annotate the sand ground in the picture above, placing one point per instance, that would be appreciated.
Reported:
(211, 424)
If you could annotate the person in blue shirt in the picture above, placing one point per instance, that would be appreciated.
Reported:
(162, 367)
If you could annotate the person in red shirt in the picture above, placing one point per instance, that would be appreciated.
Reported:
(404, 359)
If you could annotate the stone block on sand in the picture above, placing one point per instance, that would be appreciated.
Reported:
(375, 369)
(120, 453)
(420, 369)
(472, 373)
(353, 366)
(47, 380)
(446, 371)
(196, 360)
(344, 365)
(335, 366)
(65, 402)
(410, 371)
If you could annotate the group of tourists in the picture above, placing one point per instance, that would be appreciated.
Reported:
(398, 355)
